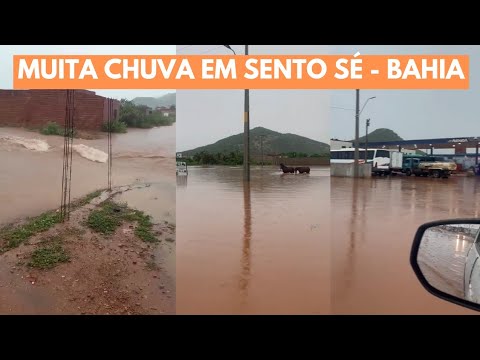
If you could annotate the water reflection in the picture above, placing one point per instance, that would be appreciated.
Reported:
(374, 222)
(182, 180)
(256, 247)
(247, 237)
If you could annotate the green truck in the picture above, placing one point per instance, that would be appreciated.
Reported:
(421, 165)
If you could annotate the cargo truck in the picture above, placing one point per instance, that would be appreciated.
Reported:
(418, 165)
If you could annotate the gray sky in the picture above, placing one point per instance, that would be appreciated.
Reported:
(412, 114)
(206, 116)
(7, 52)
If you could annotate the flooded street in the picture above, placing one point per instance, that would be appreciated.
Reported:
(31, 181)
(257, 248)
(442, 257)
(373, 225)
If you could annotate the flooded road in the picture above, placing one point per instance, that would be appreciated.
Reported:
(373, 225)
(442, 257)
(31, 181)
(258, 248)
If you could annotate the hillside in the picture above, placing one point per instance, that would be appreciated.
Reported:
(165, 100)
(381, 135)
(273, 143)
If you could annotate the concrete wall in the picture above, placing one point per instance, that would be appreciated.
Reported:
(346, 170)
(35, 108)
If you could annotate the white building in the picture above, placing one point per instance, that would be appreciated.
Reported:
(340, 144)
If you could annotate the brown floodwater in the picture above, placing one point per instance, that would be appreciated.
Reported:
(253, 248)
(373, 225)
(31, 181)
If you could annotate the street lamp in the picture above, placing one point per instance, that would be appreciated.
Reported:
(246, 128)
(357, 130)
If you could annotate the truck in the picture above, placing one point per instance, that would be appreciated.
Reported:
(419, 165)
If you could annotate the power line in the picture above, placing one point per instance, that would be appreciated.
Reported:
(341, 108)
(215, 48)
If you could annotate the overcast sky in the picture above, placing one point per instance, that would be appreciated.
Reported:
(206, 116)
(412, 114)
(7, 52)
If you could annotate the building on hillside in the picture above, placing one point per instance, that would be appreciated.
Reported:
(36, 108)
(166, 111)
(336, 144)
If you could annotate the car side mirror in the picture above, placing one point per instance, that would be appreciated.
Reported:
(445, 257)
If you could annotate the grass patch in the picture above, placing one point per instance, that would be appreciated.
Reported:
(49, 255)
(111, 215)
(13, 237)
(86, 199)
(116, 126)
(52, 128)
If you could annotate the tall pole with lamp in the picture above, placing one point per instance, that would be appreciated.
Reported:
(356, 169)
(246, 128)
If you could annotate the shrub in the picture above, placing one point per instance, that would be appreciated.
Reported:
(117, 127)
(52, 128)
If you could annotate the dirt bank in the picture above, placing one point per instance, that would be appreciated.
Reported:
(91, 264)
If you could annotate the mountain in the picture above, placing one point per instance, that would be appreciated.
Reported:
(381, 135)
(165, 100)
(274, 143)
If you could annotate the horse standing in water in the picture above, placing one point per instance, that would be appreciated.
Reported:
(286, 169)
(302, 170)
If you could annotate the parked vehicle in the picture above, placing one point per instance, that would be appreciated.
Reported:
(379, 158)
(445, 257)
(437, 167)
(182, 168)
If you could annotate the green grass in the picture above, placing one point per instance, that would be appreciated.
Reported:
(49, 255)
(52, 128)
(117, 127)
(86, 199)
(111, 215)
(13, 237)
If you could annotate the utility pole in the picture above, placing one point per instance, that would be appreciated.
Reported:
(367, 124)
(261, 146)
(357, 130)
(246, 133)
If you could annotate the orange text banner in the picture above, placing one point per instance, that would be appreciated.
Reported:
(241, 72)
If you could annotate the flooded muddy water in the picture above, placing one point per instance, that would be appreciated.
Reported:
(31, 183)
(31, 176)
(253, 248)
(373, 225)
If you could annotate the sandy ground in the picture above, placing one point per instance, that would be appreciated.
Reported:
(116, 274)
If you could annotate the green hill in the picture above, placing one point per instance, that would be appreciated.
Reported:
(274, 143)
(165, 100)
(381, 135)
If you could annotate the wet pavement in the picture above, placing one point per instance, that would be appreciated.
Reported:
(373, 225)
(442, 256)
(258, 248)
